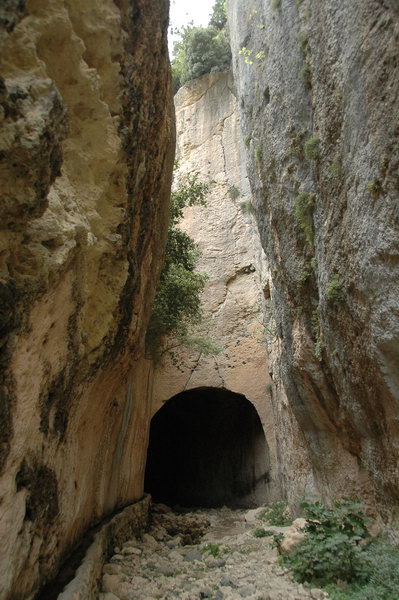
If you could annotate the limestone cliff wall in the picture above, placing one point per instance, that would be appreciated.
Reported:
(235, 299)
(317, 88)
(86, 152)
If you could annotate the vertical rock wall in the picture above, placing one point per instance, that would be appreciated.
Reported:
(317, 88)
(86, 152)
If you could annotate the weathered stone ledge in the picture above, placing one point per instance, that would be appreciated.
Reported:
(124, 525)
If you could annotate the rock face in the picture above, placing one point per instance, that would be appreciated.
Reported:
(316, 84)
(86, 151)
(236, 298)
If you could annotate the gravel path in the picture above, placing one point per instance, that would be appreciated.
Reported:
(201, 554)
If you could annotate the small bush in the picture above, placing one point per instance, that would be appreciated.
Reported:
(318, 346)
(382, 576)
(234, 192)
(306, 74)
(247, 207)
(312, 148)
(247, 139)
(276, 514)
(375, 187)
(296, 147)
(260, 532)
(215, 550)
(305, 274)
(332, 556)
(335, 289)
(303, 42)
(259, 153)
(384, 162)
(331, 551)
(276, 4)
(303, 211)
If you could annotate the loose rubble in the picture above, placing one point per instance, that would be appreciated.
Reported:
(201, 554)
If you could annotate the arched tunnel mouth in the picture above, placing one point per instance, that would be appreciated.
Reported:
(207, 448)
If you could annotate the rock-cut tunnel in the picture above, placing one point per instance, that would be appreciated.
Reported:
(207, 448)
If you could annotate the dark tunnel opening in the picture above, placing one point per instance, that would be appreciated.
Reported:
(207, 448)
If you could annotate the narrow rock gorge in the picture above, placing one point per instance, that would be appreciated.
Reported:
(236, 297)
(298, 142)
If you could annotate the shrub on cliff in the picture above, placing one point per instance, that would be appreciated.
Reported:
(177, 305)
(202, 49)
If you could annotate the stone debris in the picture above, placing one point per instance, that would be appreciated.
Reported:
(199, 554)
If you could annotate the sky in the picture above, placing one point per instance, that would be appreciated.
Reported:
(184, 11)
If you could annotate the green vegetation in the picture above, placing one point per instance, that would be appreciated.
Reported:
(306, 273)
(384, 162)
(247, 139)
(247, 54)
(306, 74)
(303, 42)
(303, 211)
(331, 551)
(259, 153)
(335, 555)
(260, 532)
(215, 550)
(177, 304)
(375, 187)
(335, 289)
(247, 207)
(382, 576)
(218, 18)
(296, 148)
(202, 50)
(234, 192)
(276, 514)
(312, 148)
(318, 346)
(276, 4)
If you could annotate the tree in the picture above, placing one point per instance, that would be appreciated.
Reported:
(177, 306)
(201, 50)
(219, 15)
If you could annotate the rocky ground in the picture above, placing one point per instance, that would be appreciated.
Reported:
(201, 554)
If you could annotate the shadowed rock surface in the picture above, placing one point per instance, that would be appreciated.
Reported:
(86, 152)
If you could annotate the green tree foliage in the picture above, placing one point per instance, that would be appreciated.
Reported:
(218, 18)
(177, 304)
(201, 50)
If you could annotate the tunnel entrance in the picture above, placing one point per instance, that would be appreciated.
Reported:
(207, 448)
